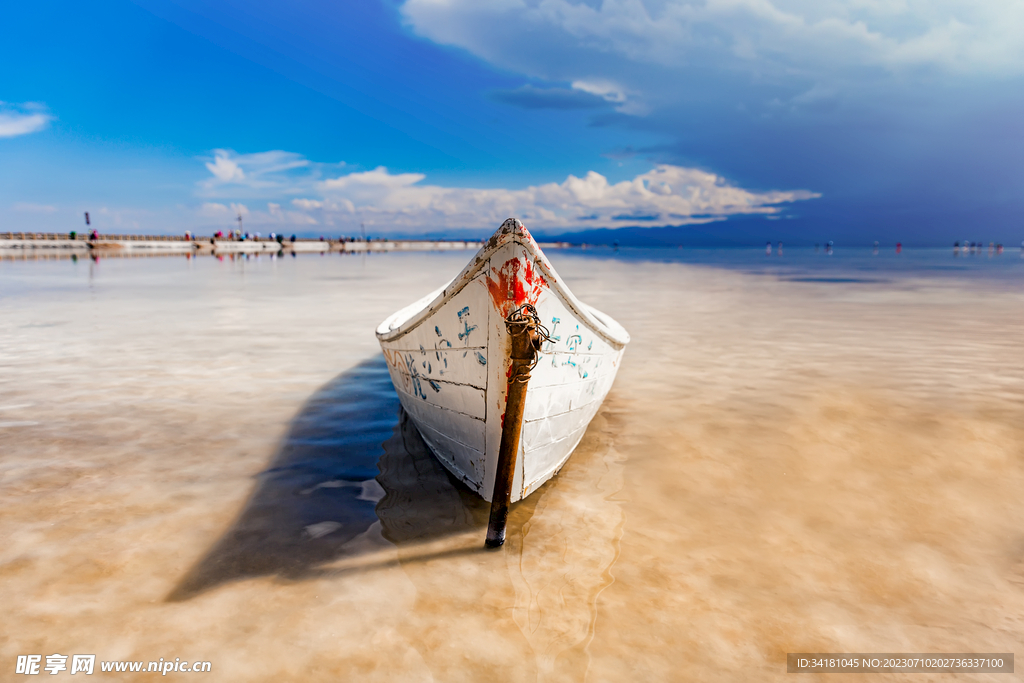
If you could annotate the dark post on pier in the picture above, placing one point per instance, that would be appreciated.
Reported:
(526, 333)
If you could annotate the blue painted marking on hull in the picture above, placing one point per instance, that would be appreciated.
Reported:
(467, 328)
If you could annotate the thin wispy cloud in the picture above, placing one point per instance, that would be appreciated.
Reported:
(29, 207)
(646, 56)
(22, 119)
(226, 215)
(809, 35)
(531, 97)
(258, 174)
(665, 195)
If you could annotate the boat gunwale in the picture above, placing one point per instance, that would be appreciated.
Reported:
(511, 231)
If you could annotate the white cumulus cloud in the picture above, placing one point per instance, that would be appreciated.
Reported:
(225, 170)
(664, 195)
(307, 204)
(22, 119)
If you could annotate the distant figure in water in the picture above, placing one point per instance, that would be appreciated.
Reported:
(768, 248)
(899, 247)
(828, 247)
(874, 250)
(780, 248)
(956, 248)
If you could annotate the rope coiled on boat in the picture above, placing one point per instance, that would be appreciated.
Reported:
(525, 320)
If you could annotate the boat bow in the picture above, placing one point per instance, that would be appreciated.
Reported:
(448, 355)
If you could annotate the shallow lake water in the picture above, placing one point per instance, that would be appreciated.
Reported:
(205, 460)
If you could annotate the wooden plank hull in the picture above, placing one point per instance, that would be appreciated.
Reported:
(448, 355)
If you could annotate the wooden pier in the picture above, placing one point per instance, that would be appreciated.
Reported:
(19, 245)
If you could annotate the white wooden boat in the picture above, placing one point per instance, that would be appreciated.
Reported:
(448, 355)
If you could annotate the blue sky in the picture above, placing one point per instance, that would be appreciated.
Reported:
(855, 120)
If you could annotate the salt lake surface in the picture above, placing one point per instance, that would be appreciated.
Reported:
(205, 459)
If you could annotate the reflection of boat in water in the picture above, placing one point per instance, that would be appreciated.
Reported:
(449, 359)
(421, 502)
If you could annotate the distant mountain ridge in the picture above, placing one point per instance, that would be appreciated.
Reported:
(740, 231)
(755, 231)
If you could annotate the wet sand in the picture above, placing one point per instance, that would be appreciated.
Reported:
(205, 460)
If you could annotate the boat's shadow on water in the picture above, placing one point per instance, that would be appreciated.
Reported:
(351, 458)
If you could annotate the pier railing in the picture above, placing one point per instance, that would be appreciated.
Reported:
(84, 237)
(24, 242)
(377, 244)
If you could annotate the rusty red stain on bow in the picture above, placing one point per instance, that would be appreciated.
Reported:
(516, 283)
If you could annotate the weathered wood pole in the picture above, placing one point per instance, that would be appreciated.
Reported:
(525, 345)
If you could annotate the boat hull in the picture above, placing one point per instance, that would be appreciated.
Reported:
(448, 355)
